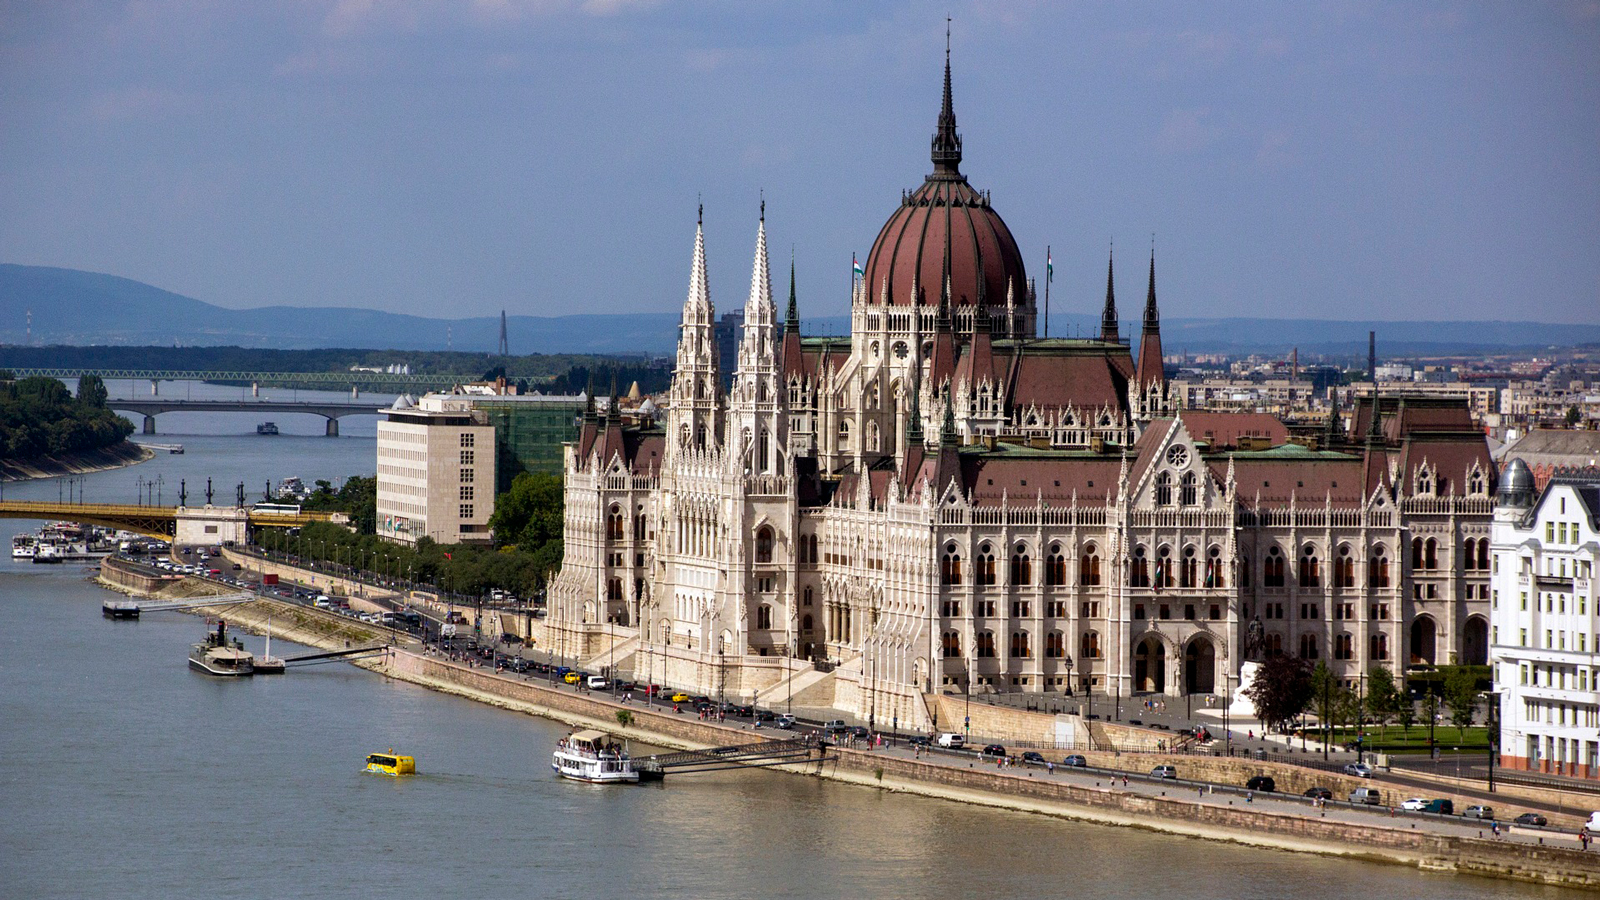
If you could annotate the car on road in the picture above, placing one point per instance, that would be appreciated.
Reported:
(1164, 772)
(860, 731)
(919, 740)
(1076, 761)
(1479, 811)
(949, 740)
(1369, 796)
(598, 683)
(1360, 770)
(1533, 819)
(785, 721)
(743, 712)
(1033, 758)
(679, 697)
(1263, 783)
(994, 750)
(1318, 793)
(1414, 804)
(570, 678)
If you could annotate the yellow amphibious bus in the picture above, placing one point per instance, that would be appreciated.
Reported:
(390, 764)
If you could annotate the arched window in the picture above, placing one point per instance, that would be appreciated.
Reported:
(1477, 484)
(1189, 572)
(809, 596)
(1164, 489)
(807, 623)
(1416, 554)
(951, 643)
(764, 544)
(1021, 645)
(1272, 574)
(985, 574)
(1164, 575)
(1344, 568)
(1308, 646)
(1378, 568)
(764, 617)
(1021, 566)
(872, 437)
(1055, 569)
(638, 527)
(1089, 567)
(1055, 645)
(1430, 554)
(1188, 489)
(985, 642)
(1310, 570)
(950, 566)
(614, 589)
(614, 524)
(844, 436)
(1274, 645)
(1344, 646)
(1089, 645)
(1380, 646)
(1139, 569)
(1215, 577)
(1483, 553)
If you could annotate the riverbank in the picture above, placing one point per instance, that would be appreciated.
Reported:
(1060, 794)
(126, 453)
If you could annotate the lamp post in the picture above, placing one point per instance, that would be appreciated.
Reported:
(1227, 702)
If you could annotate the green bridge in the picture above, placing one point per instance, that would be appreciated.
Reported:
(368, 381)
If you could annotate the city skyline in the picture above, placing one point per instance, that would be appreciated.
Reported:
(1356, 161)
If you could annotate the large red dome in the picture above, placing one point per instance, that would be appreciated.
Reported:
(945, 226)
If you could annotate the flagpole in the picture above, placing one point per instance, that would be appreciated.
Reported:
(1049, 273)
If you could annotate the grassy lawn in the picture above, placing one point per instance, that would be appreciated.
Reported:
(1392, 739)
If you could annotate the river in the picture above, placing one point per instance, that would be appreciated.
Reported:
(123, 773)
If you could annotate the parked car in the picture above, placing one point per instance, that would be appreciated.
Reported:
(834, 726)
(1479, 812)
(919, 740)
(679, 697)
(570, 678)
(994, 750)
(1415, 804)
(766, 715)
(1318, 793)
(1076, 761)
(1360, 770)
(1033, 758)
(1533, 819)
(1442, 807)
(1164, 772)
(598, 683)
(949, 740)
(1262, 783)
(1369, 796)
(785, 721)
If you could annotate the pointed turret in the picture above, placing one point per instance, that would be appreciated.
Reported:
(693, 416)
(791, 320)
(794, 364)
(755, 400)
(1150, 371)
(1108, 317)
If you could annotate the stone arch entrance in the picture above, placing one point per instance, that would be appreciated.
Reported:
(1200, 667)
(1150, 666)
(1475, 642)
(1424, 635)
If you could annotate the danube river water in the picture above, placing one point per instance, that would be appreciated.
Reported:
(124, 774)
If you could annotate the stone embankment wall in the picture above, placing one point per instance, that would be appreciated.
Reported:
(127, 579)
(1020, 789)
(292, 622)
(116, 456)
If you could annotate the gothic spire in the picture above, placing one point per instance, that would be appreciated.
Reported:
(1108, 318)
(947, 431)
(1152, 318)
(914, 426)
(946, 142)
(791, 320)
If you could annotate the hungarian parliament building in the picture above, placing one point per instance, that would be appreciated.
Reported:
(944, 502)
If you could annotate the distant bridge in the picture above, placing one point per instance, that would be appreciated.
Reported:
(331, 411)
(365, 381)
(155, 521)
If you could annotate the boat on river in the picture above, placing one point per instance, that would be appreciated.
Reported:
(267, 428)
(391, 764)
(217, 655)
(594, 757)
(23, 546)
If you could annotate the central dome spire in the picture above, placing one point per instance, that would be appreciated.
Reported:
(946, 143)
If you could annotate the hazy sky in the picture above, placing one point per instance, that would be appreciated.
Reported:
(455, 157)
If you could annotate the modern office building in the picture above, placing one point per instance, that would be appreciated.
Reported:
(436, 471)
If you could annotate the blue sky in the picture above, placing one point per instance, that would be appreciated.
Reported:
(456, 157)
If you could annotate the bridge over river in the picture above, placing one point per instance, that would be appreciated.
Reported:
(387, 382)
(211, 524)
(332, 411)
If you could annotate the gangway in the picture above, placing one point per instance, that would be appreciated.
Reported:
(741, 756)
(312, 659)
(225, 600)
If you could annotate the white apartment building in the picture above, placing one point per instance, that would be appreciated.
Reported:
(436, 471)
(1546, 662)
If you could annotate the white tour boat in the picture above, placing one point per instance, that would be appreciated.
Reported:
(594, 757)
(22, 546)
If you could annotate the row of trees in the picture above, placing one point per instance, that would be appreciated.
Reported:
(40, 417)
(1285, 687)
(527, 525)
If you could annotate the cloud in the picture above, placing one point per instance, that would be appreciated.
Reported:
(1187, 130)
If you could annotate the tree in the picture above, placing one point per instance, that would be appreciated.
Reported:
(1280, 691)
(1573, 415)
(1383, 698)
(1407, 713)
(530, 514)
(1461, 692)
(92, 391)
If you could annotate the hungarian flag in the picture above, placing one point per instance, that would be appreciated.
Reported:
(860, 270)
(1049, 267)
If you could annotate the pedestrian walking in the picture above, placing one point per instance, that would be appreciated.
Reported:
(1124, 781)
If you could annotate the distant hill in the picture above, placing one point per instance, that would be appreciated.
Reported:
(87, 308)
